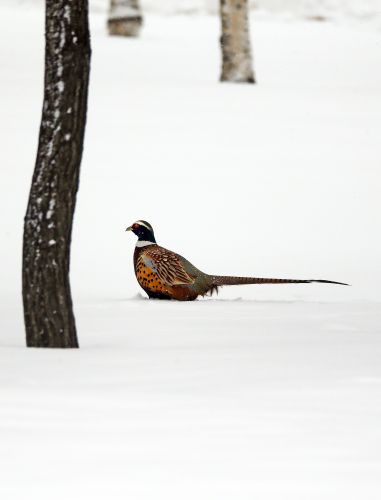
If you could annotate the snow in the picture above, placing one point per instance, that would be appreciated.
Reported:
(277, 400)
(359, 12)
(123, 11)
(265, 392)
(50, 212)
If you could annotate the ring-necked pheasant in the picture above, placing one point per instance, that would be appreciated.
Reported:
(164, 274)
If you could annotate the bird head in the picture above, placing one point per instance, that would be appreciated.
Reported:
(143, 231)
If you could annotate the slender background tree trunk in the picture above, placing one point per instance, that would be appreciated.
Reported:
(125, 18)
(48, 312)
(235, 42)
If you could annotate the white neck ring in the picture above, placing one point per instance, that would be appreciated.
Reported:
(143, 243)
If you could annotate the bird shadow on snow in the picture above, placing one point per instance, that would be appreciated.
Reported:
(215, 300)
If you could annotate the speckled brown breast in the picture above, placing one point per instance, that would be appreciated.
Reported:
(148, 279)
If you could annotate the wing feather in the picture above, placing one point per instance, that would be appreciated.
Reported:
(167, 265)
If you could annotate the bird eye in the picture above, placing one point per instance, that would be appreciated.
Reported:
(135, 226)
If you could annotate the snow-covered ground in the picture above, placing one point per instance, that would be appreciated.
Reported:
(267, 392)
(366, 12)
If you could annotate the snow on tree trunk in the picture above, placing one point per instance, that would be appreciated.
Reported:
(125, 18)
(48, 311)
(235, 42)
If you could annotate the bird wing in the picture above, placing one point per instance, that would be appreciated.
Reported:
(167, 265)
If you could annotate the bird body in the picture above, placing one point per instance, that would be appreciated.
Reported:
(164, 274)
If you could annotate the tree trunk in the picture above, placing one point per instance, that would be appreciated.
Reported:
(125, 18)
(48, 311)
(235, 42)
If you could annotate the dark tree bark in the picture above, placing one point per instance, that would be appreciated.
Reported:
(235, 42)
(48, 309)
(125, 18)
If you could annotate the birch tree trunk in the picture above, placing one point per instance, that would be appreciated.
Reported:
(235, 42)
(48, 311)
(125, 18)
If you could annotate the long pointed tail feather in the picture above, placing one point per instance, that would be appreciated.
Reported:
(237, 280)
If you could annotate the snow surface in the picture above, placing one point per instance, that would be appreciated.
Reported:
(367, 12)
(266, 392)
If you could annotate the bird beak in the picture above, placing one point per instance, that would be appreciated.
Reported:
(129, 228)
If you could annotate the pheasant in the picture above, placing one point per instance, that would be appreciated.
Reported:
(164, 274)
